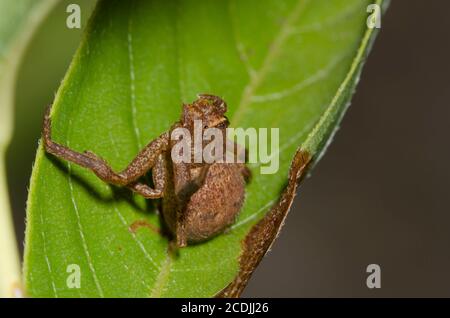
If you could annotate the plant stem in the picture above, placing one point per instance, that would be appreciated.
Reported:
(10, 285)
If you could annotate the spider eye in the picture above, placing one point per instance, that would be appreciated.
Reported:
(223, 124)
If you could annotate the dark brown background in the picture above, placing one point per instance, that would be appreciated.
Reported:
(380, 195)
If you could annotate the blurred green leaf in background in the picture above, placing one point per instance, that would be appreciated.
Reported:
(18, 20)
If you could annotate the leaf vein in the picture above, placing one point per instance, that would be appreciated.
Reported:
(163, 277)
(320, 75)
(80, 227)
(124, 222)
(47, 261)
(333, 21)
(272, 54)
(137, 132)
(240, 47)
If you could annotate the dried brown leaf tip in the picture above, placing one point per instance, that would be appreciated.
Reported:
(261, 236)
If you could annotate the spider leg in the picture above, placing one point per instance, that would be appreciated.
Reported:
(140, 165)
(246, 173)
(159, 180)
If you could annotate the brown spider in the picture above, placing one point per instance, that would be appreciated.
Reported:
(199, 200)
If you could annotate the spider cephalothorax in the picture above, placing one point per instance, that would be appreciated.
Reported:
(209, 109)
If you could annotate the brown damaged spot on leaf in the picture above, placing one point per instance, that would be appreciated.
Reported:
(260, 238)
(136, 225)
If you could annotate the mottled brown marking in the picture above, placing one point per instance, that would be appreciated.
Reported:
(261, 236)
(136, 225)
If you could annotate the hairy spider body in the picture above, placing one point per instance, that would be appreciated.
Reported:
(199, 200)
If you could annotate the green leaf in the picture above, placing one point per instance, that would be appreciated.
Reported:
(18, 21)
(287, 64)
